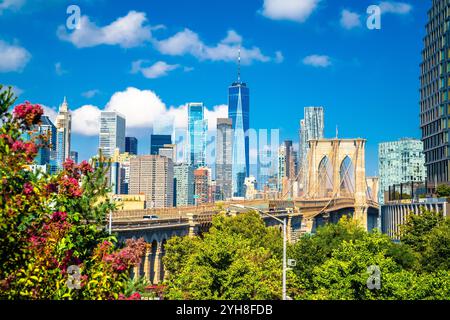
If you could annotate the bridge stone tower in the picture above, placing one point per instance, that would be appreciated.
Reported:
(336, 171)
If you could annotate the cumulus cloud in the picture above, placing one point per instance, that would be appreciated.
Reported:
(157, 70)
(349, 19)
(13, 58)
(129, 31)
(188, 42)
(279, 58)
(10, 5)
(143, 109)
(395, 7)
(315, 60)
(293, 10)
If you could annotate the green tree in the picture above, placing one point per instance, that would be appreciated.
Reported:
(436, 255)
(443, 190)
(415, 230)
(239, 258)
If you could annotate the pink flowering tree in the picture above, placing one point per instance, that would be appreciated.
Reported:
(53, 243)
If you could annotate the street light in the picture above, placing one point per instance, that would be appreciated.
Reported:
(284, 241)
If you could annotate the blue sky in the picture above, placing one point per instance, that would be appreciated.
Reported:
(147, 59)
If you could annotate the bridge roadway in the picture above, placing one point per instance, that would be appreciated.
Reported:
(302, 215)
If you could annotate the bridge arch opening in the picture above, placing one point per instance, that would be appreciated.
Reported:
(347, 177)
(325, 178)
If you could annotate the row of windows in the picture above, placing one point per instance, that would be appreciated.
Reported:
(436, 154)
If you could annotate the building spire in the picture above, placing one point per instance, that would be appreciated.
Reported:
(337, 132)
(64, 106)
(239, 64)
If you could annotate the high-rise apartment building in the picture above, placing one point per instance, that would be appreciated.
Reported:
(63, 133)
(131, 145)
(224, 173)
(197, 129)
(239, 113)
(400, 161)
(202, 184)
(184, 185)
(311, 127)
(169, 151)
(152, 176)
(158, 141)
(434, 94)
(112, 133)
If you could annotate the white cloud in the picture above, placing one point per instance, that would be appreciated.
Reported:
(395, 7)
(279, 58)
(127, 32)
(189, 42)
(293, 10)
(13, 58)
(59, 69)
(350, 20)
(90, 93)
(10, 5)
(143, 109)
(317, 61)
(50, 112)
(157, 70)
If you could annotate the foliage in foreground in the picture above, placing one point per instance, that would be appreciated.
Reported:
(50, 224)
(241, 259)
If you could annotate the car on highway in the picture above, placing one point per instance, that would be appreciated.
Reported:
(150, 217)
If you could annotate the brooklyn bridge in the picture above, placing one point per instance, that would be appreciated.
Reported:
(336, 186)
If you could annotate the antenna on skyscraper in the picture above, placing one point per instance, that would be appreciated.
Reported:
(337, 132)
(239, 64)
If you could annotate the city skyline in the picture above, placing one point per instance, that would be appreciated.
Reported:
(280, 75)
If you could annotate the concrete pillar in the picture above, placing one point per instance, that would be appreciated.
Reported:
(361, 216)
(147, 263)
(157, 265)
(192, 217)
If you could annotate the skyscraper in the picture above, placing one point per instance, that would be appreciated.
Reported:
(47, 154)
(131, 145)
(158, 141)
(112, 133)
(400, 161)
(169, 151)
(184, 185)
(311, 127)
(63, 133)
(197, 129)
(202, 186)
(74, 156)
(434, 94)
(224, 159)
(152, 176)
(238, 112)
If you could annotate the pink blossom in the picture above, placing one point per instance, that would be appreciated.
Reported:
(30, 114)
(27, 188)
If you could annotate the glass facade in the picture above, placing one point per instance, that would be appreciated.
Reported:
(131, 145)
(158, 141)
(197, 129)
(311, 127)
(238, 112)
(434, 93)
(400, 162)
(184, 185)
(112, 133)
(224, 159)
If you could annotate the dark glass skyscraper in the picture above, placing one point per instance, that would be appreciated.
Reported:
(238, 112)
(131, 145)
(434, 94)
(158, 141)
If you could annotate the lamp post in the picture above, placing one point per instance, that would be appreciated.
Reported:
(284, 243)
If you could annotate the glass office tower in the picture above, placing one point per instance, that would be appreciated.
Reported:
(112, 133)
(197, 129)
(158, 141)
(238, 112)
(434, 94)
